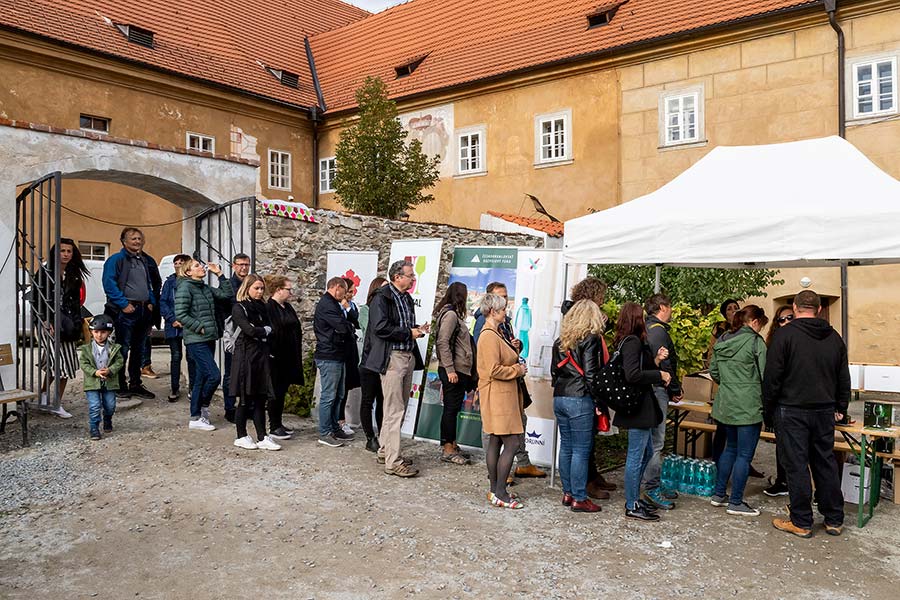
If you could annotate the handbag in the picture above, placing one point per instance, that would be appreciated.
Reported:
(526, 395)
(614, 389)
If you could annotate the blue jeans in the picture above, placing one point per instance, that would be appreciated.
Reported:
(640, 451)
(97, 400)
(206, 375)
(734, 464)
(654, 467)
(131, 331)
(331, 376)
(575, 419)
(226, 380)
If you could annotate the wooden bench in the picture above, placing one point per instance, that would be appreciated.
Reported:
(20, 398)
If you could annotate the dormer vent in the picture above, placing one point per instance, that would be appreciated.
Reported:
(407, 68)
(285, 77)
(136, 35)
(603, 14)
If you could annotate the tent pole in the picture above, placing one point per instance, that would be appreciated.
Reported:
(656, 281)
(845, 308)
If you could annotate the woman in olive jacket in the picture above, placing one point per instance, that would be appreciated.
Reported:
(638, 362)
(195, 309)
(738, 363)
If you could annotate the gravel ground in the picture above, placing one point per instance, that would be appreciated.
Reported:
(156, 511)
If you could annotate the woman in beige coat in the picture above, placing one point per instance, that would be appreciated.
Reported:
(500, 398)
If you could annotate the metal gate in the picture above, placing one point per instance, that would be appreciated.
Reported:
(225, 230)
(38, 214)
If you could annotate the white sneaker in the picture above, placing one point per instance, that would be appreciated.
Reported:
(347, 429)
(201, 425)
(267, 443)
(61, 412)
(246, 443)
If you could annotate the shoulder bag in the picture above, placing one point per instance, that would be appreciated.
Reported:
(615, 391)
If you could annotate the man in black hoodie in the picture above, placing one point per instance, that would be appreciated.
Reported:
(806, 389)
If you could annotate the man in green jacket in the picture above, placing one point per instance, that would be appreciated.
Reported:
(101, 361)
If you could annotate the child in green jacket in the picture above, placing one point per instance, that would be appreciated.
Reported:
(101, 361)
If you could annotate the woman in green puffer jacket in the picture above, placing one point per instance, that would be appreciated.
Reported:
(196, 311)
(738, 363)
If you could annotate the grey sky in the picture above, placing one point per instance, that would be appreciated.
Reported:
(374, 5)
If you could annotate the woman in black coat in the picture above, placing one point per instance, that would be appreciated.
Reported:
(631, 342)
(286, 343)
(251, 378)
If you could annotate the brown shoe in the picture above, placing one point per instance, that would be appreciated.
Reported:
(529, 471)
(148, 373)
(834, 529)
(402, 471)
(603, 484)
(595, 491)
(788, 526)
(585, 506)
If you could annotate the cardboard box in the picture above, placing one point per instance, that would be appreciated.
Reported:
(878, 415)
(699, 387)
(850, 484)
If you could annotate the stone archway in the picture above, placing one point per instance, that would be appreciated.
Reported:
(186, 179)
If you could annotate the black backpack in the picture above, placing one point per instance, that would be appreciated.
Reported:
(615, 391)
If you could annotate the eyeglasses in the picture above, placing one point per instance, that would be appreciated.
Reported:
(785, 319)
(410, 276)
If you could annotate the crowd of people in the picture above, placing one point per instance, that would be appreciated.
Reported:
(795, 381)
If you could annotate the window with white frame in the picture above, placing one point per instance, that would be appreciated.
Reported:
(874, 87)
(200, 142)
(327, 171)
(553, 137)
(471, 145)
(93, 250)
(681, 117)
(279, 170)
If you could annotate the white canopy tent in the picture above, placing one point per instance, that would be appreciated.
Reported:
(816, 202)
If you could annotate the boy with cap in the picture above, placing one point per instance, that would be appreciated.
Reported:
(101, 361)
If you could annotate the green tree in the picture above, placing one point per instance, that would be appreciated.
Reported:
(703, 289)
(378, 172)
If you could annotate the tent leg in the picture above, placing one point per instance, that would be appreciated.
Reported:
(845, 307)
(656, 281)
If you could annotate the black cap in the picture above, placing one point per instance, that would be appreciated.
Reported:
(101, 323)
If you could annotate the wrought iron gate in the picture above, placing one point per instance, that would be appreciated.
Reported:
(225, 230)
(38, 225)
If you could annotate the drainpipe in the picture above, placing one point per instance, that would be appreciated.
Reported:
(831, 9)
(315, 117)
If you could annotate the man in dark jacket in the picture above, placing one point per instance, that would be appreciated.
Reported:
(332, 329)
(391, 350)
(659, 310)
(806, 389)
(129, 281)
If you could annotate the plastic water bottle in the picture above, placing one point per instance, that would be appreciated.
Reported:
(690, 477)
(706, 483)
(668, 465)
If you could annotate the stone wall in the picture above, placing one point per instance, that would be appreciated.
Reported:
(299, 249)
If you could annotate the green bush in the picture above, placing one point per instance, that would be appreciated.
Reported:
(299, 398)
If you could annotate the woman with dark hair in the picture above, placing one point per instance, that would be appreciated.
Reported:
(251, 376)
(370, 381)
(456, 365)
(737, 366)
(727, 310)
(783, 316)
(631, 343)
(71, 278)
(286, 345)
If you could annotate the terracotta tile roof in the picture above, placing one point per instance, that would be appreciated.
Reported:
(551, 228)
(220, 41)
(468, 40)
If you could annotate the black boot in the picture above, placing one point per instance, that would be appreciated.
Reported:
(229, 415)
(107, 423)
(372, 444)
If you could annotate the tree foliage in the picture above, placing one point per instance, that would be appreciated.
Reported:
(703, 289)
(378, 172)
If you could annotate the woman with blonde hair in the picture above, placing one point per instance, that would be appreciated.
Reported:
(575, 370)
(251, 378)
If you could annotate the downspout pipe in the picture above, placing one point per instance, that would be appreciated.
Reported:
(831, 9)
(315, 113)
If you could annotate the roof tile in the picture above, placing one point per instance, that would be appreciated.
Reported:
(551, 228)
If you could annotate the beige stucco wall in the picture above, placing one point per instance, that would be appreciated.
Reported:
(565, 190)
(32, 92)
